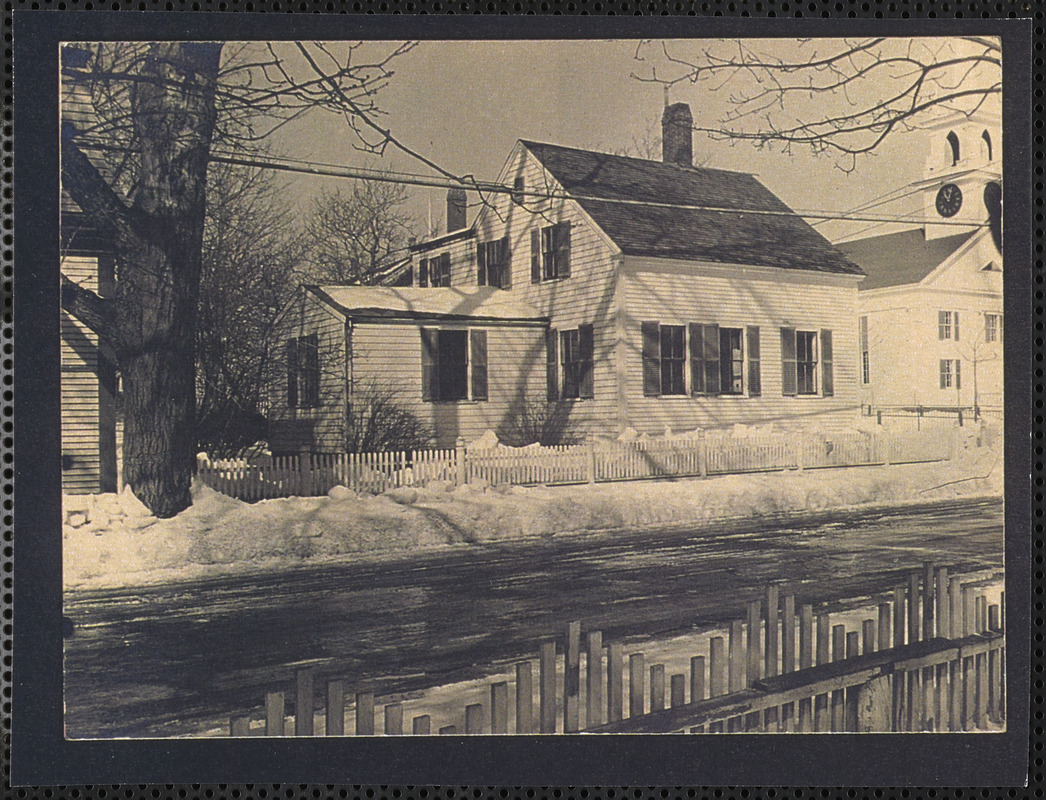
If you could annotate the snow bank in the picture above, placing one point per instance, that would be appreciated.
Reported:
(111, 540)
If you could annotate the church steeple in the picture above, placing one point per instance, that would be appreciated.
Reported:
(965, 157)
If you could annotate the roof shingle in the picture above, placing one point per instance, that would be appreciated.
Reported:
(648, 208)
(897, 259)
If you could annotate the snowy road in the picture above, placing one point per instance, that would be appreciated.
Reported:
(170, 660)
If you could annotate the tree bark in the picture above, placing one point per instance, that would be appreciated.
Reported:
(158, 241)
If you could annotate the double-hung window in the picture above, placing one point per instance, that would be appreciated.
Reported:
(550, 252)
(492, 263)
(993, 327)
(806, 356)
(453, 364)
(948, 325)
(715, 356)
(303, 372)
(575, 361)
(951, 373)
(434, 271)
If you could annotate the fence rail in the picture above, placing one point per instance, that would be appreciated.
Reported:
(693, 456)
(930, 657)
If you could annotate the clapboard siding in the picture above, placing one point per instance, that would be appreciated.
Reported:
(320, 429)
(389, 355)
(678, 295)
(587, 296)
(462, 262)
(904, 348)
(87, 396)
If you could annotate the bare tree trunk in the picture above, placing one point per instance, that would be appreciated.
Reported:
(158, 239)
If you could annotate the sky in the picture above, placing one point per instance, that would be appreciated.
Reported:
(464, 104)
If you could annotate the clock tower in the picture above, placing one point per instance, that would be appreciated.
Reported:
(963, 173)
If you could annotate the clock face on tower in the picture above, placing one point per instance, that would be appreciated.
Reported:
(949, 200)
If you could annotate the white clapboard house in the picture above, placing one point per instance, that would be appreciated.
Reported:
(930, 313)
(632, 293)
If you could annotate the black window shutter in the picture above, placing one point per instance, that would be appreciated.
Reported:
(552, 364)
(585, 346)
(504, 264)
(788, 366)
(563, 249)
(827, 379)
(309, 371)
(535, 256)
(755, 378)
(710, 334)
(697, 359)
(444, 269)
(423, 273)
(479, 365)
(955, 316)
(429, 364)
(481, 264)
(651, 359)
(958, 374)
(292, 373)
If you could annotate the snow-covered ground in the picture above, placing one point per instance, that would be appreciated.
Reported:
(112, 540)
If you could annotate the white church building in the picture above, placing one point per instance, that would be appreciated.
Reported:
(930, 311)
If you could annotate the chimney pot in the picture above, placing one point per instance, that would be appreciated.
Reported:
(677, 135)
(456, 209)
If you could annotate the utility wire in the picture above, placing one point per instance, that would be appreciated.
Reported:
(490, 187)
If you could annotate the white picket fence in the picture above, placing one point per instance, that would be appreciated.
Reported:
(698, 455)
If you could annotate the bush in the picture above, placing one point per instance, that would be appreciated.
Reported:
(379, 421)
(542, 423)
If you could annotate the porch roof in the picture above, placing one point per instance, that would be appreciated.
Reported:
(478, 304)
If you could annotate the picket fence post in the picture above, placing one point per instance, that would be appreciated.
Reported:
(461, 477)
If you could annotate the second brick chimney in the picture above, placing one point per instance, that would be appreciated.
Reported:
(457, 204)
(677, 135)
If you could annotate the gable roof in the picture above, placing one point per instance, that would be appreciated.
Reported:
(905, 257)
(649, 208)
(406, 302)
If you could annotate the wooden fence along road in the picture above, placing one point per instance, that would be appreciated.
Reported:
(932, 658)
(695, 456)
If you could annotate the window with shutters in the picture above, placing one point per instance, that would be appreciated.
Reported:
(453, 364)
(492, 263)
(575, 352)
(434, 271)
(948, 325)
(802, 354)
(550, 252)
(303, 372)
(950, 371)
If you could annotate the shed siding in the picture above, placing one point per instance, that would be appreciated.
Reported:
(389, 355)
(587, 296)
(88, 397)
(678, 297)
(320, 429)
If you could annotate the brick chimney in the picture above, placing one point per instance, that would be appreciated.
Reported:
(456, 205)
(677, 135)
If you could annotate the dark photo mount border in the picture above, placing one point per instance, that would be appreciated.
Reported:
(39, 754)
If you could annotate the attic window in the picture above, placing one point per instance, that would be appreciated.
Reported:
(518, 188)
